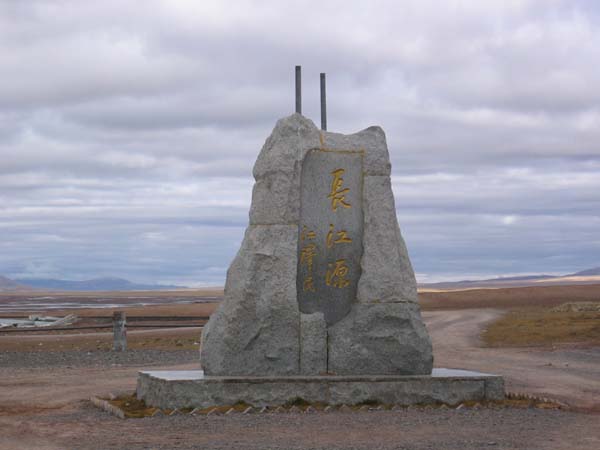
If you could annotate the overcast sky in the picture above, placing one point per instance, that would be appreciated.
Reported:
(128, 133)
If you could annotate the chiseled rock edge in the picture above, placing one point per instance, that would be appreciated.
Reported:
(257, 328)
(387, 275)
(313, 344)
(380, 338)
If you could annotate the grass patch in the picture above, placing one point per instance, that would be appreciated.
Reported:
(180, 342)
(298, 401)
(133, 407)
(369, 402)
(525, 328)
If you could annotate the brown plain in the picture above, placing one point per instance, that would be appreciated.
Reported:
(509, 298)
(46, 408)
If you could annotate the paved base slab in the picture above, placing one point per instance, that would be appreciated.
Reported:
(192, 389)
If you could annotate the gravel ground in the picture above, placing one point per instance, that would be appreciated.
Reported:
(416, 429)
(44, 406)
(69, 359)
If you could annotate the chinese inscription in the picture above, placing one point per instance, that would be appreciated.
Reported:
(337, 194)
(330, 233)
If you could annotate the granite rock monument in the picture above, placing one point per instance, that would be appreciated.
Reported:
(322, 283)
(321, 300)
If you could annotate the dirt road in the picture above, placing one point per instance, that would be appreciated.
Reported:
(568, 374)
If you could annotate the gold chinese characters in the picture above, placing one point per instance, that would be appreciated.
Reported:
(307, 254)
(338, 271)
(336, 274)
(342, 237)
(337, 195)
(311, 251)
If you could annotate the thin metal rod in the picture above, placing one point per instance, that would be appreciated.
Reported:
(323, 104)
(299, 89)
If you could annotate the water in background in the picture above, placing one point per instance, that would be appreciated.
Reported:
(49, 303)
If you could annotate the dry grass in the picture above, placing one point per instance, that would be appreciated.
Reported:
(530, 320)
(167, 310)
(509, 298)
(133, 408)
(531, 324)
(189, 340)
(160, 339)
(538, 327)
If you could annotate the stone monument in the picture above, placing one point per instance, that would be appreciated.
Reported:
(321, 300)
(322, 283)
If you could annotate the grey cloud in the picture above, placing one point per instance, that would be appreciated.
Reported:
(128, 135)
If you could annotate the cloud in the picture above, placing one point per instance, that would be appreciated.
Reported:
(128, 134)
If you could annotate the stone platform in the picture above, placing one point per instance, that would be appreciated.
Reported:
(192, 389)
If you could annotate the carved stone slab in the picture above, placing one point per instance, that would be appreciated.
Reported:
(330, 232)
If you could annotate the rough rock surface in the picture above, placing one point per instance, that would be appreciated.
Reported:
(257, 329)
(387, 274)
(313, 344)
(385, 338)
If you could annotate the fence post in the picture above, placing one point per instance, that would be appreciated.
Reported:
(119, 331)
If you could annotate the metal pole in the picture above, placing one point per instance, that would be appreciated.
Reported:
(323, 104)
(299, 89)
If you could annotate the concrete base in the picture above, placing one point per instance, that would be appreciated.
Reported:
(191, 389)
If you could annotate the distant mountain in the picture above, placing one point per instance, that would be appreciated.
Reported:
(592, 275)
(587, 273)
(521, 278)
(6, 285)
(96, 284)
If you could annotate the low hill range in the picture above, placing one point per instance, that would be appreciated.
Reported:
(590, 272)
(6, 284)
(589, 276)
(95, 284)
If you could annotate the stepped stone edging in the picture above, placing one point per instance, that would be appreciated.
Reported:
(539, 402)
(192, 389)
